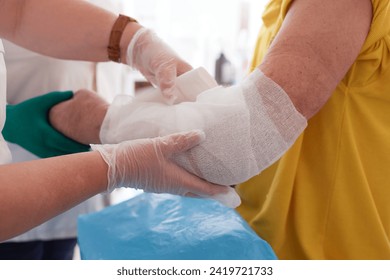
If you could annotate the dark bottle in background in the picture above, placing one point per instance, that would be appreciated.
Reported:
(224, 71)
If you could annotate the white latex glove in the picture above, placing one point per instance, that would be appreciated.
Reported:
(156, 61)
(147, 164)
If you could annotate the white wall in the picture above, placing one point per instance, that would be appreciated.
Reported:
(200, 29)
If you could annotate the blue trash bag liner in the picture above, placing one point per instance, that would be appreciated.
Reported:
(168, 227)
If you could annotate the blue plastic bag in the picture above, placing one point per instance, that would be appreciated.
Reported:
(168, 227)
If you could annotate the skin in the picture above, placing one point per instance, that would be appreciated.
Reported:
(318, 42)
(71, 119)
(78, 30)
(33, 192)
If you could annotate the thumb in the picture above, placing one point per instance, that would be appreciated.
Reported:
(50, 99)
(183, 67)
(166, 80)
(180, 142)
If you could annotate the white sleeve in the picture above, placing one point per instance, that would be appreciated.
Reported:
(5, 154)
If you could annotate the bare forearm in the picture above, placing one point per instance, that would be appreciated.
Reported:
(318, 42)
(68, 29)
(33, 192)
(81, 117)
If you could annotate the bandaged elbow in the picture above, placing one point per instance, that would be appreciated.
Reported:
(248, 127)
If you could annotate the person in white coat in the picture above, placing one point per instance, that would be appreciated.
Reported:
(57, 238)
(34, 191)
(30, 74)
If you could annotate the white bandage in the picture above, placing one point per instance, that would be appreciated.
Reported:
(247, 127)
(275, 123)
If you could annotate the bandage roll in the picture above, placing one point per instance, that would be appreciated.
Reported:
(189, 85)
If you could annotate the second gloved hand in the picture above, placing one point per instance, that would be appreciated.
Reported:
(156, 61)
(27, 125)
(148, 164)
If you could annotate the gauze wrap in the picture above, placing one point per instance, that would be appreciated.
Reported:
(247, 127)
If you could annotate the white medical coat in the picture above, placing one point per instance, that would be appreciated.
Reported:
(108, 79)
(5, 155)
(30, 75)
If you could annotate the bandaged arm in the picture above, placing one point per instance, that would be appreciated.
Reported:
(245, 131)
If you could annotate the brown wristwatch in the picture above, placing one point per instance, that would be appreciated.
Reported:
(113, 49)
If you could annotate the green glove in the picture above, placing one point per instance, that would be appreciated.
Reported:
(27, 124)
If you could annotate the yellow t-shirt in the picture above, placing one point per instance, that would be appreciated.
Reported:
(328, 197)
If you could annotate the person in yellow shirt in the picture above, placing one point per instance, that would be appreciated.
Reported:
(328, 196)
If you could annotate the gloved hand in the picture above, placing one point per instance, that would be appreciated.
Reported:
(156, 61)
(27, 125)
(147, 164)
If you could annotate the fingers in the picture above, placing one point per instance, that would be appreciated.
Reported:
(166, 74)
(190, 194)
(157, 61)
(166, 77)
(57, 115)
(54, 98)
(196, 187)
(179, 142)
(183, 67)
(230, 199)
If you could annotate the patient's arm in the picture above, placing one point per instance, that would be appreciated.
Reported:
(81, 117)
(241, 140)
